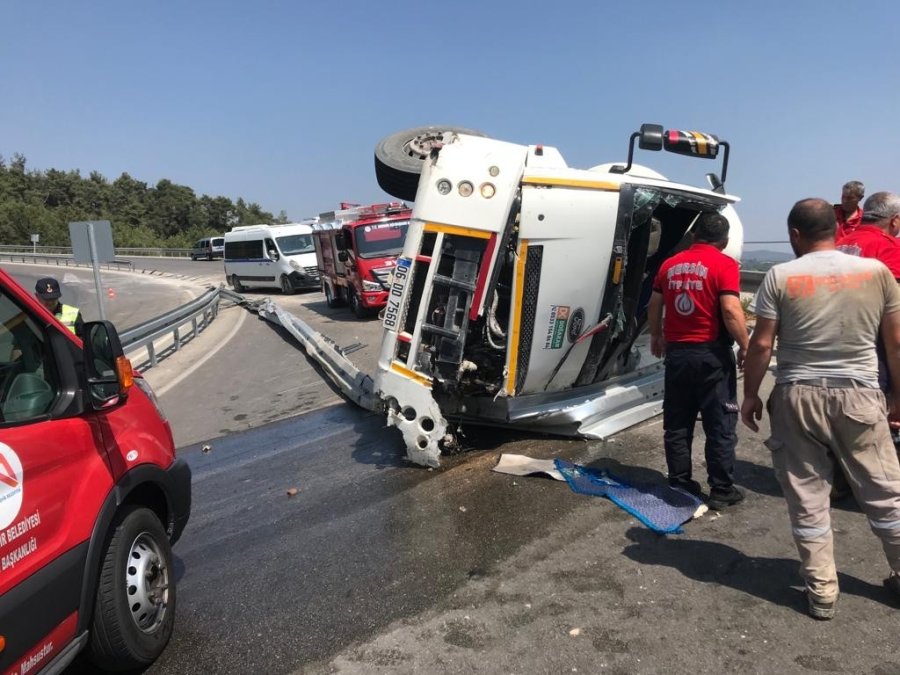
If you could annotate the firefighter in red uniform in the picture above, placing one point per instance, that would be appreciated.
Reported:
(847, 213)
(700, 291)
(876, 237)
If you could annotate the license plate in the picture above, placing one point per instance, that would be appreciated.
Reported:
(399, 278)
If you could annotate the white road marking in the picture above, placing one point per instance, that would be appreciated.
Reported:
(207, 357)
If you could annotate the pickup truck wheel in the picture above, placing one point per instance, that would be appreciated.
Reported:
(236, 284)
(357, 306)
(287, 288)
(134, 611)
(400, 156)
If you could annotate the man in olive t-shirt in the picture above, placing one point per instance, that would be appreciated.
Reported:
(826, 309)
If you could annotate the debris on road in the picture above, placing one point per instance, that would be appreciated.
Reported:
(662, 508)
(520, 465)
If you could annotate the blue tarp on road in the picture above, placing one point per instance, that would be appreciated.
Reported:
(659, 507)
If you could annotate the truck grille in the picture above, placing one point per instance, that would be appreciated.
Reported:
(312, 272)
(383, 275)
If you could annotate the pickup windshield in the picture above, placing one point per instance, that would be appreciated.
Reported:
(294, 244)
(382, 239)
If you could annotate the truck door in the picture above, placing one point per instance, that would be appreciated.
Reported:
(269, 257)
(52, 479)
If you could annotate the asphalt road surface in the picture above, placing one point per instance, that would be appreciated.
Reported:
(378, 566)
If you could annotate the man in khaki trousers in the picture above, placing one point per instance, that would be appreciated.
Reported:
(826, 309)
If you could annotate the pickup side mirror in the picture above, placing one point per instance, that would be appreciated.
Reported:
(343, 256)
(107, 370)
(273, 254)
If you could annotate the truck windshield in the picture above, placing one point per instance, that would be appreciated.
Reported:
(293, 244)
(384, 239)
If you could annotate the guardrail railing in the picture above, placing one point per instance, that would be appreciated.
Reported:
(150, 251)
(182, 323)
(750, 280)
(60, 260)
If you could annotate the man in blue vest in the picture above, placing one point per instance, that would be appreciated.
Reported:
(48, 293)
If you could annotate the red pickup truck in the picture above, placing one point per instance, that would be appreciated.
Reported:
(91, 497)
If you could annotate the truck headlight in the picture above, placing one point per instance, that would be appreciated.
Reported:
(371, 285)
(145, 387)
(295, 265)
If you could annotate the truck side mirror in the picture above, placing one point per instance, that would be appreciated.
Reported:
(107, 370)
(651, 137)
(690, 143)
(273, 254)
(340, 241)
(343, 256)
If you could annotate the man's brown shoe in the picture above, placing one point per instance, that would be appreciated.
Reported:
(822, 611)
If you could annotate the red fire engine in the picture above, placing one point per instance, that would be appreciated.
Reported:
(356, 250)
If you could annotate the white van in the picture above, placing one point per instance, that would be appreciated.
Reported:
(271, 256)
(208, 247)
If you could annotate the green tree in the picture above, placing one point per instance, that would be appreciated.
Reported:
(166, 214)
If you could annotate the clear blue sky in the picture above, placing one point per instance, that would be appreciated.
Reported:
(283, 102)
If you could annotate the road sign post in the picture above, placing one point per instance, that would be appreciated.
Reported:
(35, 238)
(92, 242)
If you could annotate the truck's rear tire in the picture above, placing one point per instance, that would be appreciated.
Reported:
(330, 299)
(357, 306)
(400, 156)
(134, 611)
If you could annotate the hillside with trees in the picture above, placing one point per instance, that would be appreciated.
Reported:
(161, 215)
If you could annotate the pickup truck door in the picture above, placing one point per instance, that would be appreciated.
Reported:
(53, 477)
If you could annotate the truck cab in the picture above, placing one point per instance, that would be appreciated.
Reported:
(521, 294)
(92, 497)
(356, 250)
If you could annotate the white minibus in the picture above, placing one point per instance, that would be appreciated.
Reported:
(271, 256)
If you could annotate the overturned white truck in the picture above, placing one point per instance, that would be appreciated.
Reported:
(521, 295)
